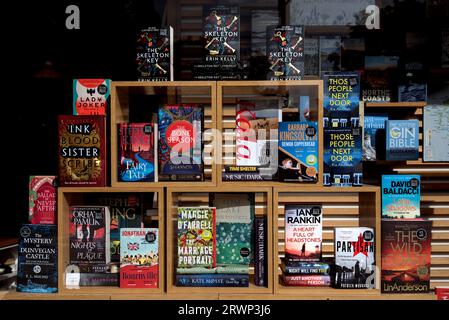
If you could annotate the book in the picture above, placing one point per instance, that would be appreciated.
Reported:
(89, 246)
(37, 259)
(139, 258)
(330, 54)
(137, 152)
(298, 152)
(341, 99)
(42, 200)
(91, 96)
(220, 269)
(306, 268)
(303, 232)
(246, 173)
(354, 258)
(342, 157)
(234, 220)
(436, 133)
(412, 92)
(196, 237)
(82, 151)
(401, 196)
(260, 249)
(406, 247)
(379, 78)
(285, 52)
(307, 280)
(402, 141)
(442, 293)
(99, 279)
(154, 54)
(374, 136)
(180, 142)
(212, 280)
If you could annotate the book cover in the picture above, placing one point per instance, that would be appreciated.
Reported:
(341, 99)
(260, 249)
(303, 232)
(196, 237)
(307, 280)
(406, 247)
(180, 142)
(401, 196)
(42, 200)
(436, 133)
(330, 54)
(82, 151)
(285, 52)
(298, 152)
(374, 136)
(154, 54)
(402, 141)
(91, 96)
(379, 78)
(89, 245)
(136, 151)
(139, 258)
(342, 157)
(306, 268)
(212, 280)
(354, 258)
(37, 259)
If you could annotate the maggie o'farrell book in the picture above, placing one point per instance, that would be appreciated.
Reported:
(401, 196)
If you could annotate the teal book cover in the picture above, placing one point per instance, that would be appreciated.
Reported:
(401, 196)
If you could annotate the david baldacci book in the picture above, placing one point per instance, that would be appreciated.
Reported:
(436, 133)
(402, 141)
(42, 200)
(303, 232)
(354, 258)
(406, 247)
(180, 142)
(196, 238)
(285, 52)
(401, 196)
(37, 259)
(91, 96)
(137, 152)
(139, 258)
(82, 151)
(374, 136)
(154, 57)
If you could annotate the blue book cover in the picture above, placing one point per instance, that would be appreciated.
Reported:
(401, 196)
(298, 151)
(342, 157)
(374, 136)
(402, 139)
(37, 259)
(212, 280)
(341, 99)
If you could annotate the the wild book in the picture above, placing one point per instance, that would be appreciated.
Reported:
(303, 232)
(285, 52)
(139, 258)
(154, 56)
(354, 258)
(402, 141)
(42, 200)
(91, 96)
(436, 133)
(374, 136)
(406, 247)
(401, 196)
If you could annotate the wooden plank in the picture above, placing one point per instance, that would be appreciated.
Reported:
(8, 242)
(330, 223)
(398, 105)
(318, 198)
(332, 211)
(440, 259)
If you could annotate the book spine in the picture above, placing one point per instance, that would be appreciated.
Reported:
(212, 280)
(320, 270)
(231, 176)
(307, 280)
(99, 279)
(259, 255)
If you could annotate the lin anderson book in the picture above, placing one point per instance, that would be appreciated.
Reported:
(401, 196)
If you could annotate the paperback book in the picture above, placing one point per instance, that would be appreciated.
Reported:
(212, 280)
(91, 96)
(402, 141)
(42, 200)
(436, 133)
(374, 136)
(379, 78)
(305, 268)
(307, 280)
(401, 196)
(260, 249)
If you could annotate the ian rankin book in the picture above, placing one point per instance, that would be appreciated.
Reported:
(401, 196)
(436, 133)
(354, 258)
(303, 232)
(402, 141)
(42, 200)
(91, 96)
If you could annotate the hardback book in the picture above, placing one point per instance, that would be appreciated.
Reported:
(304, 280)
(298, 152)
(42, 200)
(260, 251)
(312, 56)
(402, 141)
(342, 157)
(212, 280)
(234, 227)
(139, 258)
(285, 52)
(99, 279)
(196, 237)
(354, 258)
(330, 54)
(374, 136)
(308, 268)
(406, 247)
(89, 239)
(412, 92)
(180, 142)
(154, 56)
(341, 99)
(137, 152)
(303, 232)
(436, 133)
(91, 96)
(379, 78)
(37, 259)
(401, 196)
(82, 151)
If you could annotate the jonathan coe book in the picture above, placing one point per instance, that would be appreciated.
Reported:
(401, 196)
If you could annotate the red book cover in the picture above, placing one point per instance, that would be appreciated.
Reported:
(307, 280)
(442, 293)
(82, 151)
(91, 96)
(42, 200)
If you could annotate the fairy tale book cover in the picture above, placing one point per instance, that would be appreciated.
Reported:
(82, 151)
(91, 96)
(42, 200)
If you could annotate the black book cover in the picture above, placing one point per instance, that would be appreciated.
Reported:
(260, 268)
